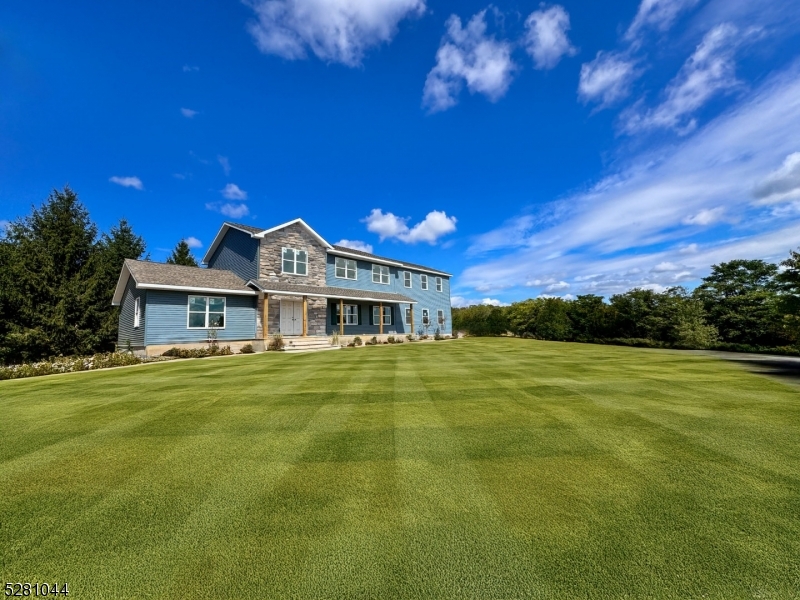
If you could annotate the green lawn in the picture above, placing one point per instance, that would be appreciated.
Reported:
(481, 468)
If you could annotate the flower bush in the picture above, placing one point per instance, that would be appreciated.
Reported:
(70, 364)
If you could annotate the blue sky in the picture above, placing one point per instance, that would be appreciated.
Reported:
(562, 148)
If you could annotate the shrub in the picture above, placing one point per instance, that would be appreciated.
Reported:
(410, 337)
(455, 334)
(374, 341)
(247, 349)
(69, 365)
(437, 335)
(276, 344)
(357, 341)
(335, 338)
(390, 339)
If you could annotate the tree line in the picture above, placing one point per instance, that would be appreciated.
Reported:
(58, 273)
(745, 305)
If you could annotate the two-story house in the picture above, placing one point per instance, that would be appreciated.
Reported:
(285, 280)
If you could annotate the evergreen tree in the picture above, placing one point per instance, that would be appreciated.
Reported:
(182, 255)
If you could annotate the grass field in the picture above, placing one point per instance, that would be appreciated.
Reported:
(480, 468)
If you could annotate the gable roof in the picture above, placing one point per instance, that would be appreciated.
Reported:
(300, 222)
(161, 276)
(344, 250)
(248, 229)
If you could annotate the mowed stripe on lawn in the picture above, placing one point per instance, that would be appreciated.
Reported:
(486, 468)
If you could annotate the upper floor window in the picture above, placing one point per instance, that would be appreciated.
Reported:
(345, 268)
(206, 312)
(407, 279)
(295, 262)
(137, 312)
(438, 284)
(380, 274)
(423, 282)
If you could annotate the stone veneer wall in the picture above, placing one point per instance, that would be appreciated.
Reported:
(271, 269)
(294, 236)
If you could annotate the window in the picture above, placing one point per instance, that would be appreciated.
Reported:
(407, 279)
(345, 269)
(380, 274)
(350, 314)
(440, 316)
(137, 312)
(408, 316)
(206, 312)
(295, 262)
(387, 315)
(425, 316)
(438, 284)
(423, 282)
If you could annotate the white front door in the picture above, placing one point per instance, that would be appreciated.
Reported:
(291, 317)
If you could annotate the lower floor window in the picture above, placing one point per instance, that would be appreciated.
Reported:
(206, 312)
(426, 316)
(350, 314)
(440, 316)
(387, 315)
(408, 316)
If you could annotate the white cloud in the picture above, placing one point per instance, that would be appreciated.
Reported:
(782, 183)
(707, 216)
(233, 192)
(193, 242)
(665, 266)
(710, 69)
(634, 218)
(557, 287)
(546, 36)
(189, 113)
(460, 302)
(128, 182)
(607, 79)
(387, 225)
(4, 225)
(468, 55)
(190, 68)
(656, 14)
(355, 245)
(229, 209)
(225, 164)
(338, 31)
(493, 302)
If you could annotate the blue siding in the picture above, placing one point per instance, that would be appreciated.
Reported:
(430, 298)
(364, 327)
(167, 319)
(237, 252)
(127, 333)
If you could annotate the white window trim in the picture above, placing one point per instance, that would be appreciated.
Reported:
(426, 313)
(439, 316)
(336, 268)
(380, 275)
(137, 312)
(407, 279)
(295, 250)
(387, 312)
(208, 306)
(408, 314)
(423, 282)
(348, 314)
(439, 286)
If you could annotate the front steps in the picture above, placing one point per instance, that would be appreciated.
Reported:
(307, 344)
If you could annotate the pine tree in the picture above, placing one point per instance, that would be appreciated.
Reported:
(182, 255)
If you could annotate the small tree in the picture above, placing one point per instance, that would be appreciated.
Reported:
(182, 255)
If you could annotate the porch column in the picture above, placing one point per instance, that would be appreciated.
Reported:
(380, 313)
(305, 316)
(341, 317)
(265, 317)
(411, 306)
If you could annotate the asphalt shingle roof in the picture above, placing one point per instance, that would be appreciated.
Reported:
(153, 273)
(332, 292)
(402, 262)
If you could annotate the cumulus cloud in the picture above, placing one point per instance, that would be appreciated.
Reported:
(233, 192)
(387, 225)
(128, 182)
(232, 210)
(355, 245)
(782, 183)
(707, 216)
(190, 68)
(225, 164)
(336, 31)
(467, 55)
(493, 302)
(709, 70)
(656, 14)
(460, 302)
(189, 113)
(607, 79)
(609, 237)
(546, 36)
(559, 286)
(193, 242)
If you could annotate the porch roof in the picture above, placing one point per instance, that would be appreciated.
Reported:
(276, 287)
